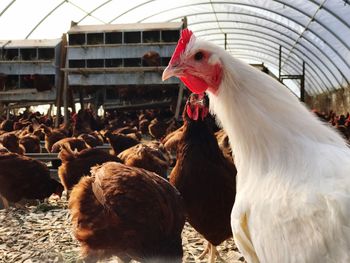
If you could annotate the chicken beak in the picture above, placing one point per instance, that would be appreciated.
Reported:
(168, 72)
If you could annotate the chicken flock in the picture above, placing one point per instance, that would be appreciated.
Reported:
(122, 202)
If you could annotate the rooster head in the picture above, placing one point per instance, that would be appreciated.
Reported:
(197, 106)
(198, 67)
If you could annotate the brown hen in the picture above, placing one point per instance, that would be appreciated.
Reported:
(11, 142)
(22, 177)
(146, 157)
(74, 143)
(52, 136)
(92, 139)
(31, 143)
(204, 177)
(120, 142)
(127, 212)
(78, 164)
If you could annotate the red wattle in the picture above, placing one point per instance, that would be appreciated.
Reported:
(192, 113)
(196, 113)
(195, 84)
(189, 111)
(204, 114)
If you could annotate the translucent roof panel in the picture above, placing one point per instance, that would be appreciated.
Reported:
(314, 31)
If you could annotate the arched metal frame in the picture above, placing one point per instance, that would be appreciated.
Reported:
(267, 10)
(280, 43)
(264, 18)
(45, 17)
(299, 67)
(258, 58)
(332, 13)
(7, 7)
(320, 50)
(94, 10)
(265, 52)
(243, 49)
(319, 76)
(312, 62)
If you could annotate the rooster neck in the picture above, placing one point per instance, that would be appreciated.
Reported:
(267, 126)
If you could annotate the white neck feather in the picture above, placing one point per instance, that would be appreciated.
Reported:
(267, 125)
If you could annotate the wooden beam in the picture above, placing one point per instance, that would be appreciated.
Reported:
(179, 101)
(59, 95)
(118, 69)
(65, 99)
(302, 84)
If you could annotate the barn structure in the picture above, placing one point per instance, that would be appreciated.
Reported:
(29, 72)
(119, 66)
(304, 43)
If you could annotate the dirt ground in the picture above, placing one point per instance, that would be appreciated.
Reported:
(42, 233)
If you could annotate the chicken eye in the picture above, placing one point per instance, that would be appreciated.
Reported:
(198, 56)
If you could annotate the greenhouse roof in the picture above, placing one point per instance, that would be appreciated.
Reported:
(314, 31)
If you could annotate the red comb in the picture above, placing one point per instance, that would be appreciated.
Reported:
(182, 43)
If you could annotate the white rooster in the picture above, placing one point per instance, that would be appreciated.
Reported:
(293, 182)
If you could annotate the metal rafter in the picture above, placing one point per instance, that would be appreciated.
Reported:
(249, 23)
(271, 11)
(216, 17)
(332, 13)
(290, 51)
(53, 10)
(131, 9)
(316, 20)
(313, 62)
(318, 90)
(312, 76)
(252, 33)
(263, 59)
(45, 17)
(257, 49)
(94, 10)
(84, 11)
(7, 7)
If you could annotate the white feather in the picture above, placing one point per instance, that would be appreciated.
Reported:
(293, 185)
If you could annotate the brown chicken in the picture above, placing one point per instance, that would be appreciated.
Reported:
(82, 122)
(52, 136)
(151, 59)
(146, 157)
(157, 128)
(31, 143)
(143, 126)
(224, 143)
(22, 177)
(77, 164)
(127, 212)
(92, 139)
(171, 141)
(204, 177)
(7, 125)
(3, 149)
(11, 142)
(120, 142)
(74, 143)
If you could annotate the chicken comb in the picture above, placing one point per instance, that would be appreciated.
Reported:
(182, 43)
